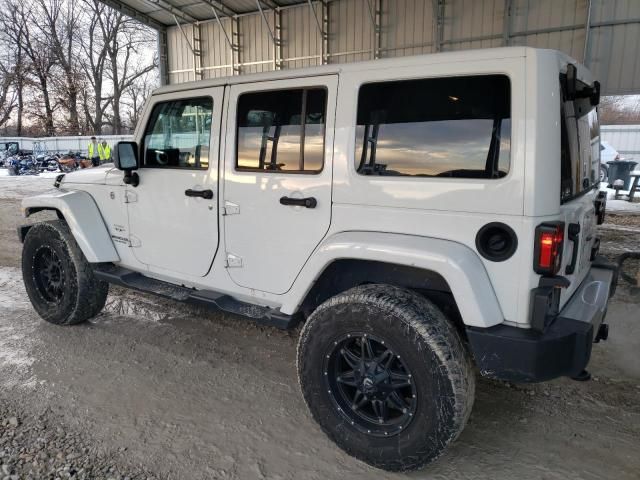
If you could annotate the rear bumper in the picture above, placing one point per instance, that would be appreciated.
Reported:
(562, 348)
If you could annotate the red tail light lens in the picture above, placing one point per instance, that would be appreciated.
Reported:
(548, 248)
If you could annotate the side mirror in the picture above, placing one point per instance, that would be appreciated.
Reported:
(125, 158)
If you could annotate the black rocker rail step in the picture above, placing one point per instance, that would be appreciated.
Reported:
(137, 281)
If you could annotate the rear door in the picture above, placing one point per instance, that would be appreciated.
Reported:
(580, 176)
(277, 178)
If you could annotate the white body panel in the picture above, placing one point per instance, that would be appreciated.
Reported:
(170, 231)
(265, 236)
(429, 223)
(84, 220)
(456, 263)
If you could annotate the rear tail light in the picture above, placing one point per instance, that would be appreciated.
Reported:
(548, 248)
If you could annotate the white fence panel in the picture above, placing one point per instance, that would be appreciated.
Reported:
(624, 138)
(62, 144)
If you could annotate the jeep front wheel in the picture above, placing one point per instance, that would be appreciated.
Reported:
(58, 279)
(386, 376)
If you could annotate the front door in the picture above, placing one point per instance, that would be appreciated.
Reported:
(173, 219)
(277, 184)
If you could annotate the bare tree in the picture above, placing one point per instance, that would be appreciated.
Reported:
(59, 24)
(617, 110)
(135, 96)
(71, 66)
(8, 98)
(103, 26)
(123, 51)
(12, 79)
(17, 21)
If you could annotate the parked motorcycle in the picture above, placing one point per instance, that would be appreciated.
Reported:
(72, 161)
(22, 164)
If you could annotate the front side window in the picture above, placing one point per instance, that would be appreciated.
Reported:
(439, 127)
(281, 130)
(178, 134)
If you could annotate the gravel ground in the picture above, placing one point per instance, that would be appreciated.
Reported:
(36, 447)
(155, 389)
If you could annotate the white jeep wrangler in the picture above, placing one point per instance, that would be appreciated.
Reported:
(421, 216)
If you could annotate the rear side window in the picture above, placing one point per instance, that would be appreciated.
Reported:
(281, 130)
(580, 146)
(439, 127)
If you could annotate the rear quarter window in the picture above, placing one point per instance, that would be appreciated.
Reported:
(439, 127)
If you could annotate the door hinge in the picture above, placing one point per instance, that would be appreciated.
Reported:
(130, 197)
(230, 208)
(233, 261)
(134, 241)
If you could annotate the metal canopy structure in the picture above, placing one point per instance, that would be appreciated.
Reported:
(212, 38)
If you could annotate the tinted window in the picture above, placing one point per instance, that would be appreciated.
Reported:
(580, 146)
(440, 127)
(178, 134)
(281, 130)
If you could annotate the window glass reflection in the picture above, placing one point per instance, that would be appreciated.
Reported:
(178, 134)
(453, 127)
(281, 130)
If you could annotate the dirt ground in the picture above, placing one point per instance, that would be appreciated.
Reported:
(155, 389)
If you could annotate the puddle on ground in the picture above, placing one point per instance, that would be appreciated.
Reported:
(143, 307)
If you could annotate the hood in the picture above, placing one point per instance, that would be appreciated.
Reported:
(94, 175)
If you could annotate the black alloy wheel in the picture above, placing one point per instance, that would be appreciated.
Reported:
(58, 278)
(48, 274)
(370, 384)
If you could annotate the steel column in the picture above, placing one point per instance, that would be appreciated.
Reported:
(235, 36)
(506, 23)
(438, 17)
(587, 35)
(163, 57)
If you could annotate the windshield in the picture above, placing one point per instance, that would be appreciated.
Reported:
(580, 155)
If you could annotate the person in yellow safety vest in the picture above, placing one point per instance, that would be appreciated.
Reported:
(104, 150)
(94, 152)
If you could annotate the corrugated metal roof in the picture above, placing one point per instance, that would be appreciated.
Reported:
(186, 11)
(603, 34)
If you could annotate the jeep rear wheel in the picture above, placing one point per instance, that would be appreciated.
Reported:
(386, 376)
(58, 279)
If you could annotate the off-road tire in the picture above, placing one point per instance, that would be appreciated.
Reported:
(604, 173)
(433, 350)
(83, 296)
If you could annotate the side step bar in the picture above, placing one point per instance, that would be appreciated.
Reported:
(218, 301)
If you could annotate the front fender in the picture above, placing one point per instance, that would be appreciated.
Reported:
(457, 264)
(84, 219)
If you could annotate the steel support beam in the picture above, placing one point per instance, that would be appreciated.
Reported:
(174, 11)
(325, 32)
(196, 41)
(375, 14)
(264, 19)
(506, 23)
(322, 24)
(587, 35)
(135, 14)
(163, 57)
(277, 54)
(235, 37)
(438, 31)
